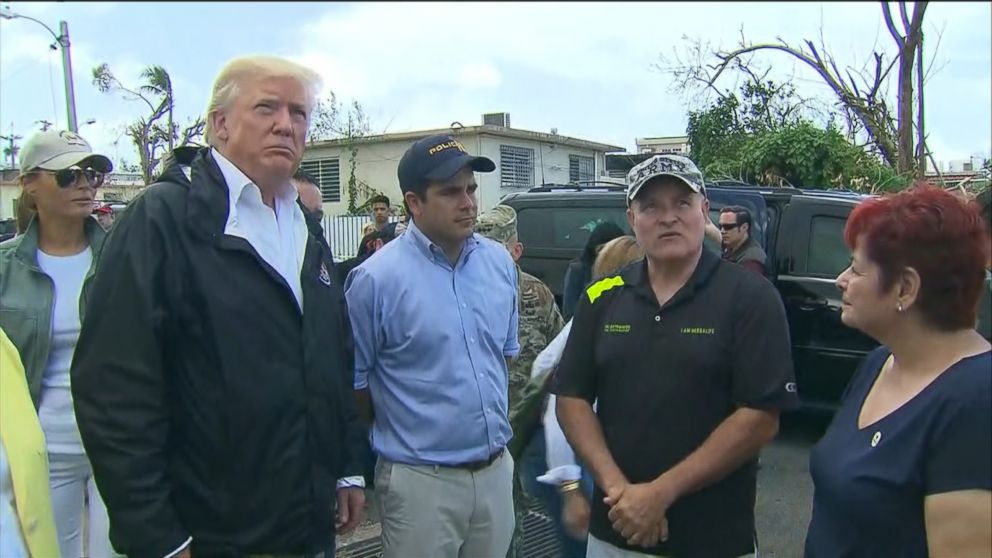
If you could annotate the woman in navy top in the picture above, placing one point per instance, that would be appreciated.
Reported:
(905, 469)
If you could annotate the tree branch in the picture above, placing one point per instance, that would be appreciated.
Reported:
(887, 14)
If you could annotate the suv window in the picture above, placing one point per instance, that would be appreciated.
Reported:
(564, 227)
(828, 255)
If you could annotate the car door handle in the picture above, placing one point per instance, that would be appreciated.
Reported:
(812, 305)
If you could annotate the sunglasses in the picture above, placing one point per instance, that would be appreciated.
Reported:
(728, 226)
(67, 177)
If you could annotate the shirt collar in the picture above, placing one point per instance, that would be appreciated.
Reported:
(748, 243)
(238, 181)
(636, 275)
(432, 251)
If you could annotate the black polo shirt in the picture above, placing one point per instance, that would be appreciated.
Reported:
(666, 377)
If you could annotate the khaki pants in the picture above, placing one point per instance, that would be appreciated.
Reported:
(443, 512)
(597, 548)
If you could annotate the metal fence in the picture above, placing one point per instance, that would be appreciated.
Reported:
(344, 232)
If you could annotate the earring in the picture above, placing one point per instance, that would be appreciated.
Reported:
(899, 308)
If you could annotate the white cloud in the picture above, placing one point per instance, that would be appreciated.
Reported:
(480, 75)
(585, 68)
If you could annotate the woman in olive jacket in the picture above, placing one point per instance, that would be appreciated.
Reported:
(43, 275)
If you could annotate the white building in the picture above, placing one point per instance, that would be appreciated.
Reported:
(673, 145)
(524, 159)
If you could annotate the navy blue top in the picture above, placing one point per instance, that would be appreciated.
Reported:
(869, 483)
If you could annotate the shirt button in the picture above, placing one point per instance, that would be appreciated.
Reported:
(464, 305)
(657, 318)
(473, 339)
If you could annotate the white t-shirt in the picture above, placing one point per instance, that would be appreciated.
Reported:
(58, 420)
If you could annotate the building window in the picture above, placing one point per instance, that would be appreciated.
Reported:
(516, 166)
(581, 169)
(328, 175)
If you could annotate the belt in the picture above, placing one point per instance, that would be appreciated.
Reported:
(473, 466)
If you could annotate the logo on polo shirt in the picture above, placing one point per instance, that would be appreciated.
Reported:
(876, 439)
(698, 331)
(616, 328)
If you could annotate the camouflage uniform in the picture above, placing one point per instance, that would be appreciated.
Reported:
(539, 323)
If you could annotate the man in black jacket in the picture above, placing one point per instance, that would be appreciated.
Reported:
(212, 378)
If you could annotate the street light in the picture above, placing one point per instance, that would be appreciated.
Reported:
(62, 40)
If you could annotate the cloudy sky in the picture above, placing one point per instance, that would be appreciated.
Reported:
(587, 69)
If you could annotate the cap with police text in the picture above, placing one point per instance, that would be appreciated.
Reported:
(674, 166)
(437, 158)
(499, 224)
(60, 149)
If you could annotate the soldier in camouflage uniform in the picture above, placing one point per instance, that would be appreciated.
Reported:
(540, 321)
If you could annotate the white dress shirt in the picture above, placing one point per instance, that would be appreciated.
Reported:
(560, 457)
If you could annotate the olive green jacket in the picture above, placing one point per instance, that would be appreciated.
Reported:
(27, 296)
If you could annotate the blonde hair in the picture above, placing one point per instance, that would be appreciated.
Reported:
(27, 208)
(236, 73)
(615, 254)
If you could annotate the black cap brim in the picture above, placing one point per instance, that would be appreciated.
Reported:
(450, 168)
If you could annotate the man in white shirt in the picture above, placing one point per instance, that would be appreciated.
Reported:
(212, 379)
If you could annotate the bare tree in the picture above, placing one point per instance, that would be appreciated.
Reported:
(861, 94)
(150, 136)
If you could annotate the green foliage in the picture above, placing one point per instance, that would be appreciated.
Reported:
(765, 138)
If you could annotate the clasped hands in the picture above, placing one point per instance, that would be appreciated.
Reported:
(638, 511)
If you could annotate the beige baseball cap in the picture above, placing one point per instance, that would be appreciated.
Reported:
(499, 224)
(60, 149)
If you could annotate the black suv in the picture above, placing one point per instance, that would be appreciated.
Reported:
(801, 231)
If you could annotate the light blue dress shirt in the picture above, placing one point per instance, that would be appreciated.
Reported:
(430, 346)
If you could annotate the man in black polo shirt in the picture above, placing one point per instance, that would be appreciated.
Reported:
(689, 359)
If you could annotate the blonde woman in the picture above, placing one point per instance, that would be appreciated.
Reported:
(570, 506)
(44, 273)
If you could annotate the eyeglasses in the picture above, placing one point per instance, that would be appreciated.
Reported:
(67, 177)
(728, 226)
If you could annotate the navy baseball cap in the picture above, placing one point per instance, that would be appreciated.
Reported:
(437, 158)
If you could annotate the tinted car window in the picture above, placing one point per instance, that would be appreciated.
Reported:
(828, 255)
(564, 227)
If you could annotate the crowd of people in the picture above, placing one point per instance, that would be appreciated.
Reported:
(204, 379)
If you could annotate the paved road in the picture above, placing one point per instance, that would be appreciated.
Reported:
(785, 490)
(784, 500)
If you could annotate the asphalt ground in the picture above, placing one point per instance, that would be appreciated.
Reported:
(784, 500)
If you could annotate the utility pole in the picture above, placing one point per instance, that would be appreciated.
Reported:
(12, 147)
(70, 92)
(62, 40)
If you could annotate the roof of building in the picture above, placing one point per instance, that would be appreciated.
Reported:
(490, 130)
(673, 139)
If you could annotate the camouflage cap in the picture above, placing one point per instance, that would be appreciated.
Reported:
(499, 224)
(676, 166)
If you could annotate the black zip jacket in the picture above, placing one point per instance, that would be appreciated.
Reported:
(208, 404)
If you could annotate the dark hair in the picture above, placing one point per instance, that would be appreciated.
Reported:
(304, 176)
(741, 213)
(603, 233)
(936, 234)
(985, 201)
(379, 198)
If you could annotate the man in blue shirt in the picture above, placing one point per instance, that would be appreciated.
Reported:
(434, 315)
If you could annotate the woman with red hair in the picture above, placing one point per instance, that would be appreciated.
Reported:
(905, 469)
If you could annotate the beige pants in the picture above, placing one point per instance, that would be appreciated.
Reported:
(442, 512)
(596, 548)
